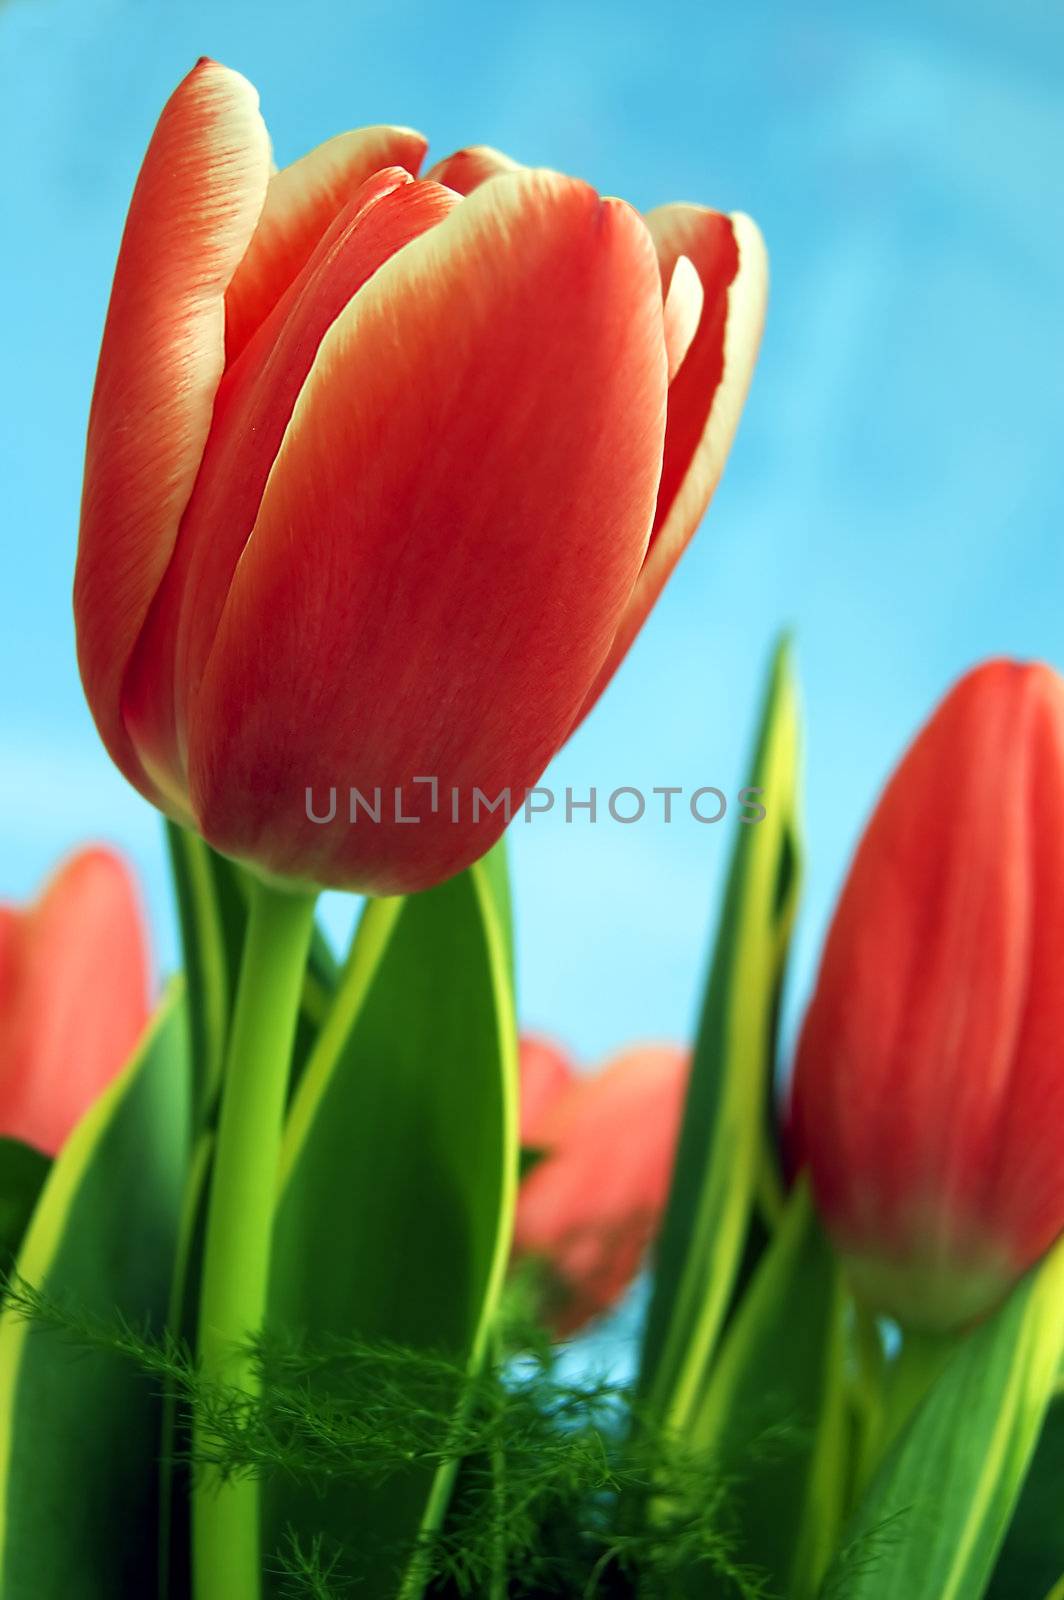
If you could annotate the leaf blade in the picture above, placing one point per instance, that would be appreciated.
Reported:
(949, 1485)
(771, 1417)
(80, 1430)
(1032, 1557)
(408, 1112)
(23, 1171)
(722, 1147)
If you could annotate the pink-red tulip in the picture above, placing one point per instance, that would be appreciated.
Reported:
(604, 1146)
(929, 1086)
(381, 479)
(73, 996)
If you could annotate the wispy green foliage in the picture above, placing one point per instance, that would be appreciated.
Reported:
(544, 1460)
(306, 1573)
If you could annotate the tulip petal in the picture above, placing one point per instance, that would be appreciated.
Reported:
(301, 202)
(546, 1073)
(1022, 1178)
(447, 541)
(73, 997)
(592, 1205)
(707, 393)
(933, 975)
(193, 211)
(253, 409)
(928, 1091)
(684, 299)
(467, 169)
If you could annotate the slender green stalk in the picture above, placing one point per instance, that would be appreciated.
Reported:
(869, 1400)
(225, 1515)
(500, 1585)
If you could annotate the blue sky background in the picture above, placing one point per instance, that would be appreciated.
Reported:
(896, 493)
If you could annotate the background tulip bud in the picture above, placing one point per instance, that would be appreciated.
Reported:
(928, 1095)
(604, 1144)
(73, 996)
(383, 474)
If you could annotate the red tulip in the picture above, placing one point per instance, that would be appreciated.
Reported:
(929, 1086)
(591, 1204)
(73, 996)
(546, 1073)
(379, 484)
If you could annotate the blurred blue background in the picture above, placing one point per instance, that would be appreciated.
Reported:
(896, 492)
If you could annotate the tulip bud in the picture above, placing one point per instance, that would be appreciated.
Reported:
(592, 1202)
(928, 1097)
(383, 474)
(73, 997)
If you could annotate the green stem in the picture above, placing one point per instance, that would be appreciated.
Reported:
(869, 1399)
(499, 1586)
(225, 1514)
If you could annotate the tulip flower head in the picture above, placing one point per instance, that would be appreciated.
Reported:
(928, 1097)
(383, 474)
(603, 1146)
(73, 996)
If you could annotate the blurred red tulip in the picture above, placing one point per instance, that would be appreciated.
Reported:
(73, 996)
(605, 1142)
(546, 1072)
(378, 483)
(928, 1096)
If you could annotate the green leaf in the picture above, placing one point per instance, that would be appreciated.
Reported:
(722, 1160)
(529, 1158)
(496, 870)
(397, 1188)
(175, 1521)
(1032, 1557)
(80, 1429)
(212, 912)
(936, 1513)
(319, 990)
(22, 1173)
(771, 1421)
